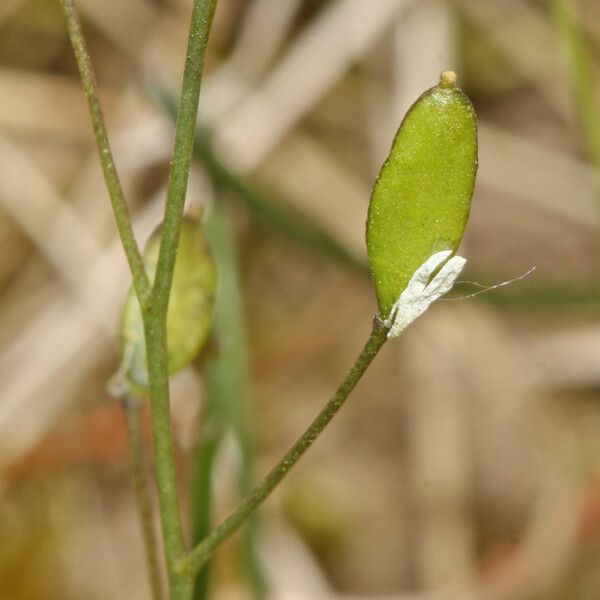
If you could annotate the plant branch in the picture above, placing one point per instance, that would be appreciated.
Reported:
(155, 317)
(164, 459)
(203, 551)
(202, 505)
(111, 177)
(131, 410)
(185, 130)
(227, 400)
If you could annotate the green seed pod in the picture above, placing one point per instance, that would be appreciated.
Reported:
(422, 196)
(190, 313)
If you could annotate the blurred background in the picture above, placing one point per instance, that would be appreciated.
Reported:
(466, 465)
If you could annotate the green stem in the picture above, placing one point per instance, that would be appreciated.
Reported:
(131, 410)
(185, 131)
(158, 370)
(202, 506)
(155, 317)
(227, 398)
(254, 567)
(203, 551)
(581, 71)
(154, 300)
(182, 588)
(111, 177)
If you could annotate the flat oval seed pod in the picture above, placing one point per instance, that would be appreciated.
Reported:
(422, 196)
(189, 316)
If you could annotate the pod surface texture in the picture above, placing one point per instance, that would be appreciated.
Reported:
(421, 199)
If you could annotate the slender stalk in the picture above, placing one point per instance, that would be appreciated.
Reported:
(131, 410)
(155, 317)
(203, 551)
(202, 505)
(185, 131)
(254, 568)
(164, 460)
(228, 407)
(111, 177)
(581, 71)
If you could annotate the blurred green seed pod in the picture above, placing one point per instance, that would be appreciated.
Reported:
(421, 199)
(189, 317)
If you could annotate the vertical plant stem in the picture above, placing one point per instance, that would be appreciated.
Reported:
(164, 460)
(185, 129)
(156, 349)
(111, 177)
(581, 73)
(203, 551)
(131, 410)
(254, 568)
(202, 505)
(155, 317)
(227, 384)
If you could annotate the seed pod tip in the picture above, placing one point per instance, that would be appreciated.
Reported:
(448, 79)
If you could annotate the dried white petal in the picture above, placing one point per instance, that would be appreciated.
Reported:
(422, 291)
